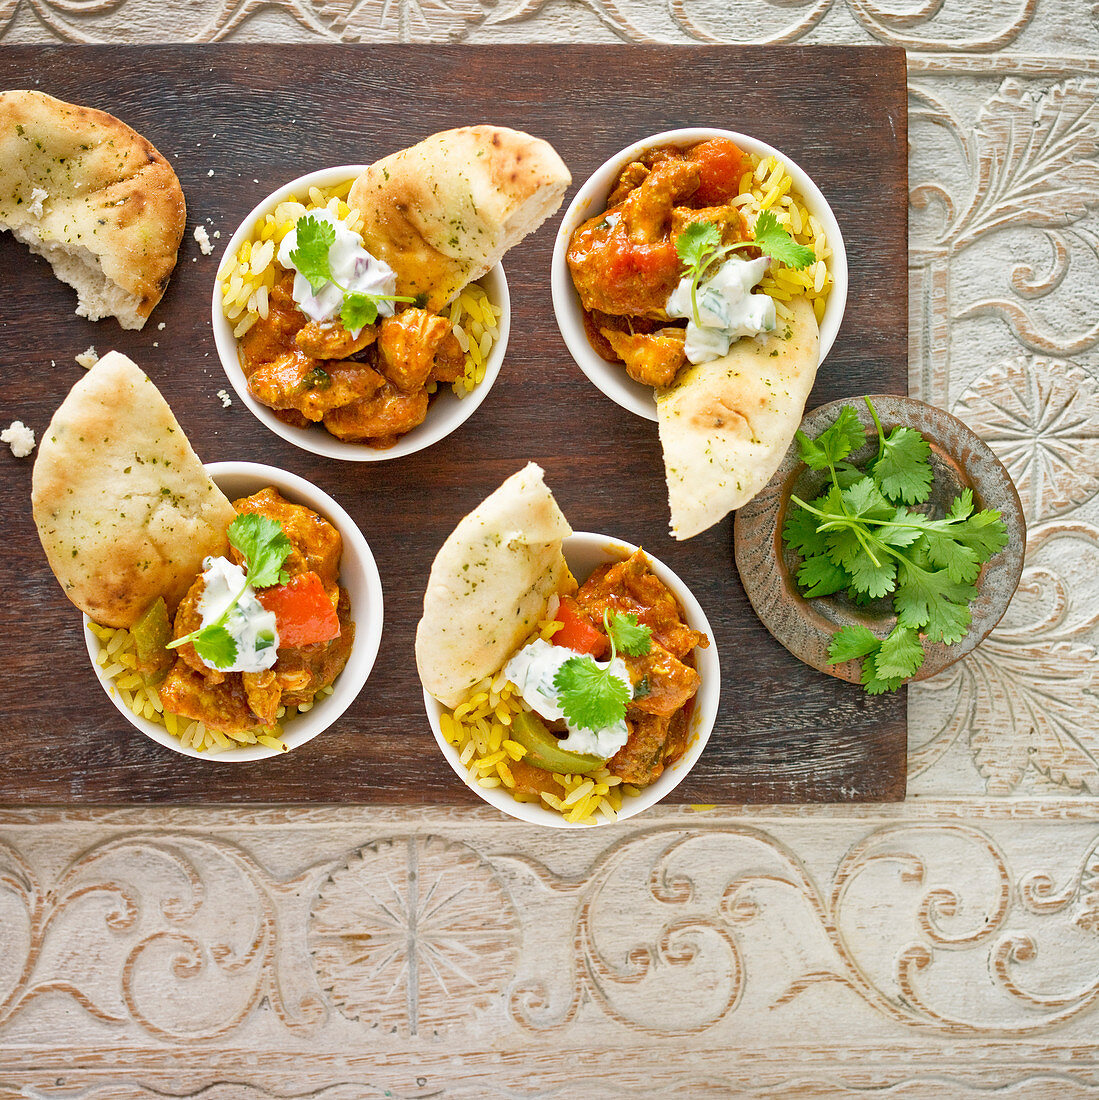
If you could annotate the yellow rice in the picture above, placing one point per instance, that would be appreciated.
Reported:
(478, 729)
(767, 185)
(248, 277)
(117, 663)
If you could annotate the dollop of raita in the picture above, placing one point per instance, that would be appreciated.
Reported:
(250, 624)
(354, 269)
(532, 670)
(727, 308)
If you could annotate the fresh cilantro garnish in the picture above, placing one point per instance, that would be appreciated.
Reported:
(310, 256)
(861, 536)
(626, 635)
(774, 241)
(265, 547)
(590, 696)
(700, 250)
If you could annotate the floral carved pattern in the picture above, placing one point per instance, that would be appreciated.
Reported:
(413, 934)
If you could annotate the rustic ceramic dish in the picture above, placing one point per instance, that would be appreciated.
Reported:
(358, 574)
(583, 552)
(445, 414)
(612, 378)
(768, 570)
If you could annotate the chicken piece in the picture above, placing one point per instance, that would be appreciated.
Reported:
(317, 545)
(311, 387)
(333, 341)
(380, 419)
(633, 175)
(407, 343)
(655, 741)
(647, 210)
(653, 359)
(270, 336)
(263, 692)
(664, 681)
(728, 219)
(450, 360)
(221, 706)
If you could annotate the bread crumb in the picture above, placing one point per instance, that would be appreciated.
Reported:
(203, 240)
(88, 359)
(19, 437)
(211, 172)
(226, 400)
(160, 327)
(38, 196)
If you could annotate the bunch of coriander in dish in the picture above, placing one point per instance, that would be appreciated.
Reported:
(873, 535)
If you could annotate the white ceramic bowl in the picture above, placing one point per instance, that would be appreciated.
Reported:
(583, 552)
(612, 378)
(358, 574)
(446, 412)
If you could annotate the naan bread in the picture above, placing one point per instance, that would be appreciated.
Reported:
(124, 509)
(443, 212)
(490, 584)
(93, 197)
(725, 425)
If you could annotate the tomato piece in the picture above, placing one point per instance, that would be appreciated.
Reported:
(304, 614)
(721, 163)
(577, 633)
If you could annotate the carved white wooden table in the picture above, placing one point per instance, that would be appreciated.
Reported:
(945, 947)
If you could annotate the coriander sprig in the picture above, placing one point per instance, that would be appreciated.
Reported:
(700, 249)
(310, 256)
(592, 697)
(265, 548)
(862, 536)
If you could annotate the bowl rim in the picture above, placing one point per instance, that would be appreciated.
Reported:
(446, 413)
(794, 620)
(364, 649)
(703, 718)
(611, 379)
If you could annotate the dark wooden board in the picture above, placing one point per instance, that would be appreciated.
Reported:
(238, 121)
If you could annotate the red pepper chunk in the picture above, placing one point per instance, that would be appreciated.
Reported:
(576, 633)
(721, 163)
(304, 614)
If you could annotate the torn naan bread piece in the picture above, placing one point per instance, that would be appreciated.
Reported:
(93, 197)
(725, 425)
(444, 211)
(124, 509)
(490, 584)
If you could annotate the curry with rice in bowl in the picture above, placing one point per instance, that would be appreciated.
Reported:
(351, 308)
(562, 703)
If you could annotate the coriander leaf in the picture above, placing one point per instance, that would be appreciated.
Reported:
(775, 242)
(835, 443)
(215, 645)
(820, 576)
(697, 247)
(901, 654)
(944, 550)
(875, 684)
(902, 469)
(590, 697)
(265, 547)
(904, 531)
(800, 533)
(864, 499)
(961, 506)
(627, 635)
(929, 601)
(310, 256)
(873, 579)
(985, 533)
(851, 642)
(358, 311)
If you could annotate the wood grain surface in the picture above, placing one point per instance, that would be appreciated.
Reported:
(238, 121)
